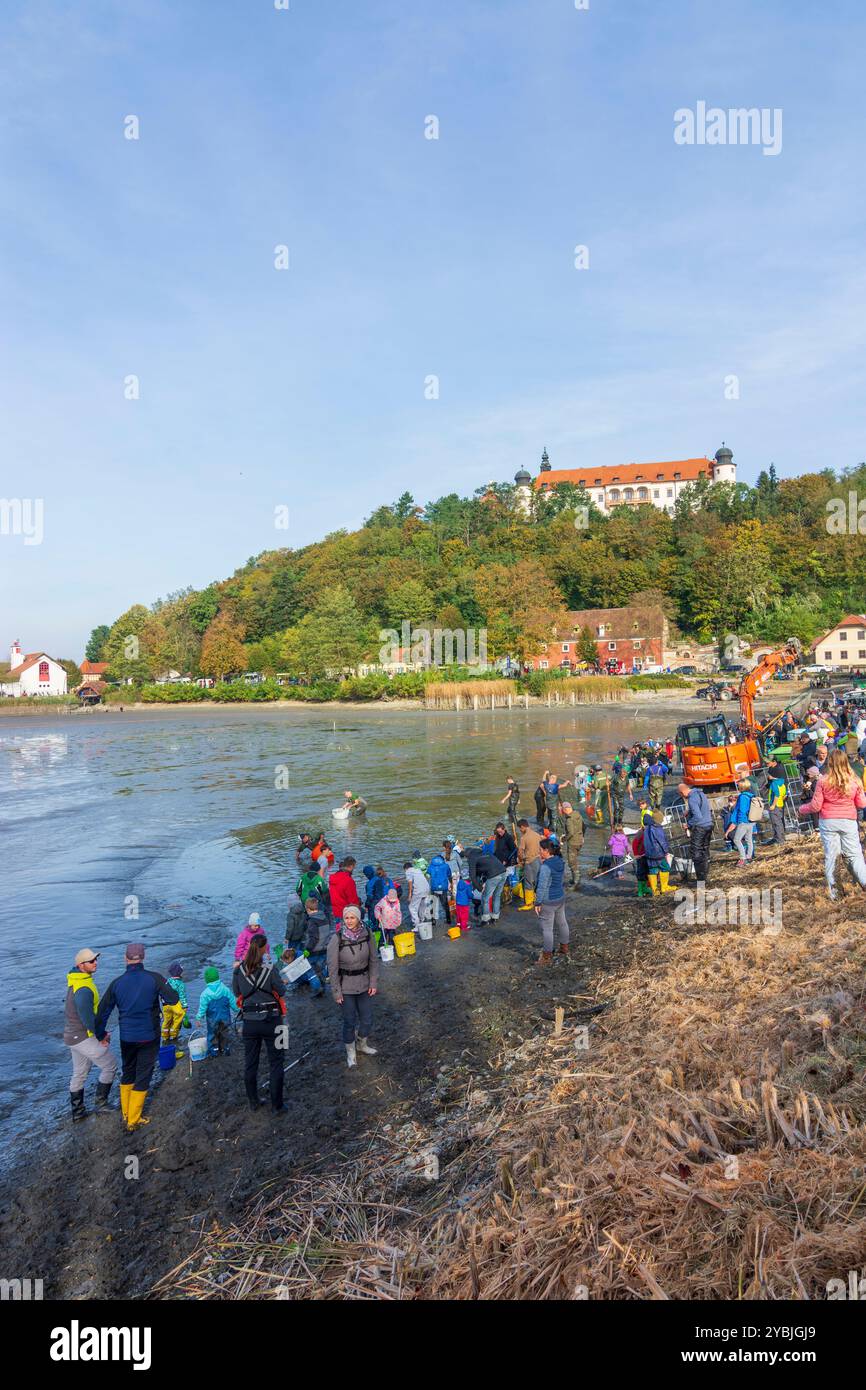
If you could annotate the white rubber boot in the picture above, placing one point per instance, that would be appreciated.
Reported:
(364, 1046)
(351, 1059)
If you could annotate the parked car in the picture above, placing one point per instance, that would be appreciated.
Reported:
(685, 671)
(733, 668)
(812, 670)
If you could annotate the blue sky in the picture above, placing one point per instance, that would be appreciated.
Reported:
(408, 257)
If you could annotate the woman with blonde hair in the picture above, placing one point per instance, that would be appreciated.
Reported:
(837, 797)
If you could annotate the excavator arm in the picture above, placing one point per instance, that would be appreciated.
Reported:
(753, 681)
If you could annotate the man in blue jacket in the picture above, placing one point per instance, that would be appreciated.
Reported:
(136, 995)
(439, 873)
(699, 820)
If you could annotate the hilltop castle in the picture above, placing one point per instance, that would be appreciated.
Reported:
(633, 484)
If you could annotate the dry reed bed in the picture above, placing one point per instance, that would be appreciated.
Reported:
(590, 690)
(709, 1143)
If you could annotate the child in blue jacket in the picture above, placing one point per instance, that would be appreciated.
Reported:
(216, 1007)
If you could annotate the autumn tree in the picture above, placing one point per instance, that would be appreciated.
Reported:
(222, 651)
(522, 608)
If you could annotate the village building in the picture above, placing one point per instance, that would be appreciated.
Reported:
(33, 673)
(626, 640)
(93, 670)
(91, 692)
(844, 646)
(631, 484)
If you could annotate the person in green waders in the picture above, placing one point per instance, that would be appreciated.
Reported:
(601, 789)
(510, 800)
(619, 793)
(569, 828)
(655, 783)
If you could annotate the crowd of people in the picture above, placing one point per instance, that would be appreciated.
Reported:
(340, 925)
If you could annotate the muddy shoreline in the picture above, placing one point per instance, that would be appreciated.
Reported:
(663, 700)
(79, 1218)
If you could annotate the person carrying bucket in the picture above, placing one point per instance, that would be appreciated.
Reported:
(389, 916)
(136, 995)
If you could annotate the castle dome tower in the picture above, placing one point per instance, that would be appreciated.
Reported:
(545, 461)
(725, 470)
(523, 489)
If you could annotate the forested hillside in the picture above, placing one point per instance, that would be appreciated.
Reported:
(765, 561)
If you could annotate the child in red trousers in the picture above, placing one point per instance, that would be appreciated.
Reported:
(462, 903)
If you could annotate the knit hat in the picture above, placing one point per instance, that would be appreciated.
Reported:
(175, 968)
(211, 974)
(254, 919)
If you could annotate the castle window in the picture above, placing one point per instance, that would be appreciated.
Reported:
(660, 477)
(628, 494)
(643, 494)
(655, 492)
(614, 494)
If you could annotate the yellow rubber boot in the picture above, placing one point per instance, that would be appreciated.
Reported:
(666, 887)
(529, 899)
(518, 889)
(136, 1105)
(125, 1093)
(654, 884)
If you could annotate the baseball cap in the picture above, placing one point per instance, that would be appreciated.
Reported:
(135, 950)
(86, 955)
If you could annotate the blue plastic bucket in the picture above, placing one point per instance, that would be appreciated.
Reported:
(167, 1058)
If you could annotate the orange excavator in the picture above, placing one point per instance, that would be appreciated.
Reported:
(709, 757)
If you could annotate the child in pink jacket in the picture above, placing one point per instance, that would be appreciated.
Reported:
(246, 935)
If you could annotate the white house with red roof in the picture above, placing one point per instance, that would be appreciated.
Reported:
(630, 484)
(844, 646)
(32, 673)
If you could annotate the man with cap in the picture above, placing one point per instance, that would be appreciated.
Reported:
(79, 1026)
(136, 995)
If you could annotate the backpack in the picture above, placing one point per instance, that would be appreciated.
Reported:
(756, 809)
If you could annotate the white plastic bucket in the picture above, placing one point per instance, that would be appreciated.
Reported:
(425, 931)
(386, 953)
(197, 1047)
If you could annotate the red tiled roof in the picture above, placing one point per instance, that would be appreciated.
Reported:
(93, 668)
(688, 470)
(852, 620)
(30, 660)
